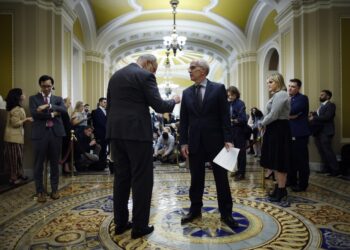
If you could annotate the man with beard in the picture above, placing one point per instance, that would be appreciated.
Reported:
(323, 119)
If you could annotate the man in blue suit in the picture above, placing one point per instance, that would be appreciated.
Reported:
(298, 174)
(323, 118)
(204, 131)
(47, 133)
(99, 121)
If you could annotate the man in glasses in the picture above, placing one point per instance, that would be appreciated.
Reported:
(47, 133)
(204, 131)
(131, 90)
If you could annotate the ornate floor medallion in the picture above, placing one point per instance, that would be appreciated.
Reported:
(83, 217)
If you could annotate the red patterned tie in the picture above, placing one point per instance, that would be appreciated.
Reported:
(49, 122)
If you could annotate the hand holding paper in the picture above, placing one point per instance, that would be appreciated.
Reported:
(227, 159)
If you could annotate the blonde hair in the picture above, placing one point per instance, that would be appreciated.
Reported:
(77, 105)
(278, 78)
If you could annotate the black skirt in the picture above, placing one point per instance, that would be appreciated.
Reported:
(276, 146)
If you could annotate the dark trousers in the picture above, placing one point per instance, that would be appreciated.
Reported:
(133, 170)
(48, 147)
(239, 141)
(299, 171)
(197, 170)
(324, 146)
(103, 153)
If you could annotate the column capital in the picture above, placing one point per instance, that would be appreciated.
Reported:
(94, 56)
(248, 56)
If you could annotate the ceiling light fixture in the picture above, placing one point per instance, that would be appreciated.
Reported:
(174, 42)
(167, 87)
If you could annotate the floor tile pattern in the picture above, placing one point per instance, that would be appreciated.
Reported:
(83, 217)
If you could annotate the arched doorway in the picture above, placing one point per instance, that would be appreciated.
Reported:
(271, 65)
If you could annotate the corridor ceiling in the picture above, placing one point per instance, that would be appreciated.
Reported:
(218, 29)
(235, 11)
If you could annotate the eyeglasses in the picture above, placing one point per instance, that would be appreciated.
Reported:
(193, 68)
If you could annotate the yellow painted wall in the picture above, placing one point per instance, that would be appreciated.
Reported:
(78, 31)
(345, 81)
(5, 54)
(269, 27)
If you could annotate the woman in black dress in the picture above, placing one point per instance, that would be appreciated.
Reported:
(275, 152)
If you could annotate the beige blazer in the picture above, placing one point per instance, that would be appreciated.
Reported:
(14, 125)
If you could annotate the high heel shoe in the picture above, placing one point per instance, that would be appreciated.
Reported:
(274, 192)
(270, 176)
(281, 194)
(15, 182)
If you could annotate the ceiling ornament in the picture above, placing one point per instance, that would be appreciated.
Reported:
(167, 87)
(174, 42)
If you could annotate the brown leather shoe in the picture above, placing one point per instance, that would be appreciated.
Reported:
(41, 197)
(55, 195)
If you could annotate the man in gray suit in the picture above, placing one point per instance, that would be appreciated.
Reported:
(323, 119)
(131, 90)
(47, 133)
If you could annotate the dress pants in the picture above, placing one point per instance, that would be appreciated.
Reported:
(197, 170)
(133, 170)
(47, 147)
(103, 153)
(299, 172)
(324, 145)
(239, 141)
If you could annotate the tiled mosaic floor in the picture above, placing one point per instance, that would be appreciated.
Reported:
(82, 218)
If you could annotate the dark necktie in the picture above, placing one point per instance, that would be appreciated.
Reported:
(49, 122)
(199, 97)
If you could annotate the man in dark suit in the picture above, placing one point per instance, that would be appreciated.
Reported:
(204, 131)
(298, 174)
(47, 133)
(99, 121)
(131, 90)
(323, 118)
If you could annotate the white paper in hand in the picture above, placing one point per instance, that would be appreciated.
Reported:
(227, 159)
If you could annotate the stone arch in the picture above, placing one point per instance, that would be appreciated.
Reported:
(270, 62)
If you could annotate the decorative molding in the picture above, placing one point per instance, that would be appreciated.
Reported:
(94, 56)
(246, 57)
(87, 21)
(255, 23)
(297, 8)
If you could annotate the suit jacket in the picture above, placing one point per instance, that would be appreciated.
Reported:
(99, 120)
(299, 106)
(40, 118)
(131, 90)
(325, 118)
(209, 126)
(14, 125)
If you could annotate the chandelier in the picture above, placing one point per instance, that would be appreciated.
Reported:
(174, 42)
(167, 87)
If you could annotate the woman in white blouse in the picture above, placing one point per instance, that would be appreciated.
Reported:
(275, 152)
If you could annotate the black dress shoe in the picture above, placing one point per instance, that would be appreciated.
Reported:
(298, 189)
(190, 217)
(230, 222)
(322, 172)
(122, 229)
(239, 177)
(139, 232)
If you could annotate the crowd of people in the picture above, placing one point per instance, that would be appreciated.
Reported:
(211, 117)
